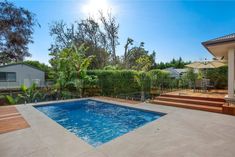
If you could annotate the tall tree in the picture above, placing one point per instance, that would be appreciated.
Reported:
(143, 63)
(88, 32)
(16, 29)
(138, 54)
(128, 43)
(63, 36)
(111, 28)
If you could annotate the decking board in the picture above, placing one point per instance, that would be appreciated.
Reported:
(11, 120)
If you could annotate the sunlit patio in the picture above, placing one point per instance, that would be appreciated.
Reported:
(181, 132)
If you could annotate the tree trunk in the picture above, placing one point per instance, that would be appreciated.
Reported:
(142, 96)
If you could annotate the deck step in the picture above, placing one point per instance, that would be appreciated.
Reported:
(9, 115)
(194, 97)
(189, 106)
(191, 101)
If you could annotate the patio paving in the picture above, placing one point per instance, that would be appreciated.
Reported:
(181, 132)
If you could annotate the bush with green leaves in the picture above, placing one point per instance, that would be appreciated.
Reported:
(71, 65)
(116, 82)
(188, 80)
(27, 95)
(218, 77)
(160, 79)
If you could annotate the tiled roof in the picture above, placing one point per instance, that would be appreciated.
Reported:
(226, 38)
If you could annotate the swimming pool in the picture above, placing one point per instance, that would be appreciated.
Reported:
(97, 122)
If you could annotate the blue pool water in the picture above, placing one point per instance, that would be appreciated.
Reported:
(97, 122)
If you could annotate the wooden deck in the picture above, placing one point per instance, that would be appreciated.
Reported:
(212, 101)
(207, 94)
(11, 120)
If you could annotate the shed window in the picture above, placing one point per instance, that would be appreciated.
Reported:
(8, 76)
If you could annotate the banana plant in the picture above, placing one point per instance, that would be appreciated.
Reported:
(11, 100)
(30, 94)
(72, 64)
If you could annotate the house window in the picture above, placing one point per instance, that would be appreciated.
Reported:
(8, 76)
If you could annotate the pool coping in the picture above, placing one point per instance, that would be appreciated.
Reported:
(99, 100)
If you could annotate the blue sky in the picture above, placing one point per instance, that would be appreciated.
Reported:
(172, 28)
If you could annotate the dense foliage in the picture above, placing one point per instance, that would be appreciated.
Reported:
(71, 65)
(100, 38)
(159, 78)
(137, 57)
(27, 95)
(116, 82)
(16, 29)
(219, 76)
(175, 63)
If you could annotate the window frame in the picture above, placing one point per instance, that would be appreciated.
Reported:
(6, 73)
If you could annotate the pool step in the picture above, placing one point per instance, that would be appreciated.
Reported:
(191, 102)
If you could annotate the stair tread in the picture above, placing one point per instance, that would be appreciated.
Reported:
(192, 100)
(194, 97)
(187, 105)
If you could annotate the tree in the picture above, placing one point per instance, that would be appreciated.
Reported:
(87, 32)
(175, 63)
(71, 65)
(159, 78)
(63, 36)
(16, 29)
(141, 79)
(136, 55)
(143, 63)
(191, 77)
(111, 28)
(126, 49)
(218, 77)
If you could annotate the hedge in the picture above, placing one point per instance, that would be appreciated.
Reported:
(116, 82)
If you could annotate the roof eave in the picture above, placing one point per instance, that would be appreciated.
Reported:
(206, 44)
(213, 43)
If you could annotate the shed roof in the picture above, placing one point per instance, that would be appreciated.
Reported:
(12, 64)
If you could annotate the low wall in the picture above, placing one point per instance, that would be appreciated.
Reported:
(229, 109)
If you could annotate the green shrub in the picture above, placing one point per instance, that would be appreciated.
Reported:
(218, 76)
(116, 82)
(160, 78)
